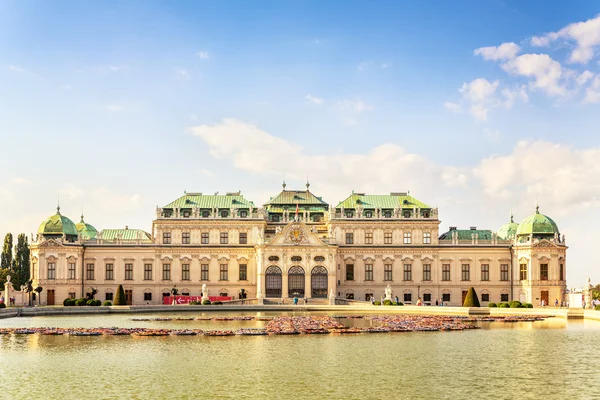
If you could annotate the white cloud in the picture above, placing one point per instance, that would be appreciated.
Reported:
(363, 66)
(454, 107)
(546, 72)
(592, 93)
(70, 192)
(478, 90)
(354, 106)
(16, 68)
(584, 77)
(586, 36)
(314, 100)
(203, 55)
(505, 51)
(510, 96)
(182, 73)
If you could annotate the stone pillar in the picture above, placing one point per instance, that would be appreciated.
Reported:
(8, 291)
(260, 275)
(307, 284)
(284, 284)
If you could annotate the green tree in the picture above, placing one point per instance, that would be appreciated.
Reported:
(21, 261)
(3, 273)
(596, 292)
(120, 297)
(471, 299)
(6, 259)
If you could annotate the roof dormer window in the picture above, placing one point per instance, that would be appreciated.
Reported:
(205, 213)
(243, 214)
(224, 213)
(368, 214)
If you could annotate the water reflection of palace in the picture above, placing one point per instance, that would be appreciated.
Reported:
(296, 245)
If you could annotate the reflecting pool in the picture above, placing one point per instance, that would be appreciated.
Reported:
(549, 359)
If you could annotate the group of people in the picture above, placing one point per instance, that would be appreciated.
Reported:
(11, 301)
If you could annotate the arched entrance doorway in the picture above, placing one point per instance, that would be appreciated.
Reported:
(296, 281)
(273, 281)
(318, 282)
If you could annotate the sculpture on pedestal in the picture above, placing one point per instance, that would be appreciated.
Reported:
(388, 292)
(205, 293)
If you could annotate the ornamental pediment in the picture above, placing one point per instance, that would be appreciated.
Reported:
(296, 234)
(50, 243)
(544, 243)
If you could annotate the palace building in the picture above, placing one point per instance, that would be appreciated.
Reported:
(297, 245)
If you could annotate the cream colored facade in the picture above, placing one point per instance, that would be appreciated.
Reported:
(276, 252)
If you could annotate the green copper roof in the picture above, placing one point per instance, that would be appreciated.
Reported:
(508, 231)
(57, 225)
(390, 201)
(465, 234)
(293, 197)
(126, 234)
(198, 200)
(537, 224)
(86, 230)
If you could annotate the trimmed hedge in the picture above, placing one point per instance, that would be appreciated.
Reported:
(597, 308)
(388, 303)
(514, 304)
(80, 302)
(377, 303)
(69, 302)
(106, 303)
(2, 305)
(195, 303)
(120, 297)
(526, 305)
(217, 303)
(491, 305)
(206, 303)
(471, 300)
(503, 305)
(399, 303)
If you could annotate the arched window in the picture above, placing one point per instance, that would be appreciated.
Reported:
(296, 281)
(318, 282)
(296, 258)
(273, 258)
(319, 258)
(273, 281)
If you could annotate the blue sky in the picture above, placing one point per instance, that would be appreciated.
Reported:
(119, 106)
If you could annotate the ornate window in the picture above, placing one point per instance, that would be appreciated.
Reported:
(205, 213)
(243, 272)
(185, 238)
(543, 272)
(523, 272)
(426, 238)
(445, 272)
(485, 272)
(387, 272)
(561, 272)
(387, 238)
(407, 272)
(185, 272)
(368, 272)
(224, 238)
(485, 297)
(224, 213)
(426, 272)
(204, 238)
(407, 297)
(243, 238)
(349, 238)
(166, 272)
(71, 272)
(204, 272)
(296, 258)
(110, 272)
(318, 282)
(89, 272)
(504, 272)
(223, 272)
(368, 237)
(128, 272)
(243, 214)
(147, 272)
(319, 258)
(466, 272)
(296, 281)
(349, 214)
(51, 270)
(427, 297)
(349, 272)
(503, 296)
(148, 296)
(407, 238)
(446, 297)
(108, 296)
(273, 258)
(273, 281)
(368, 214)
(166, 237)
(387, 214)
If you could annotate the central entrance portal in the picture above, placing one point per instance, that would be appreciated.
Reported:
(273, 281)
(318, 282)
(296, 281)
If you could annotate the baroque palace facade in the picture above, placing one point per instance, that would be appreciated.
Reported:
(296, 245)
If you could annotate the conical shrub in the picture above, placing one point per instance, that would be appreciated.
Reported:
(120, 297)
(471, 300)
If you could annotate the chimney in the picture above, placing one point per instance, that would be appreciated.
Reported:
(126, 227)
(452, 228)
(473, 228)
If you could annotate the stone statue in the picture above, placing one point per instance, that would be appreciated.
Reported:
(388, 292)
(331, 298)
(204, 292)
